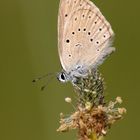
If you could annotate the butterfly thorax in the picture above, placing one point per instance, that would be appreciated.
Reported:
(73, 75)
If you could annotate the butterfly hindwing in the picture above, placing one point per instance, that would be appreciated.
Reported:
(84, 34)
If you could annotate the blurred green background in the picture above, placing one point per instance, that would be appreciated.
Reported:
(28, 48)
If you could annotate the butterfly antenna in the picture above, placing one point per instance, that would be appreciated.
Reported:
(42, 77)
(44, 86)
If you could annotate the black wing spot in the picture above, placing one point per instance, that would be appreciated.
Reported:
(95, 22)
(89, 17)
(75, 18)
(66, 15)
(80, 4)
(91, 39)
(73, 33)
(83, 15)
(84, 29)
(68, 41)
(97, 42)
(104, 36)
(69, 55)
(100, 29)
(79, 29)
(98, 50)
(89, 33)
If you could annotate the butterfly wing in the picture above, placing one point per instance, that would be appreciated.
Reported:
(84, 35)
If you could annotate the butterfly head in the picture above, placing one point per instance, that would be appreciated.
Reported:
(72, 75)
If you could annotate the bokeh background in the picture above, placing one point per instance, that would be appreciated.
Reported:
(28, 49)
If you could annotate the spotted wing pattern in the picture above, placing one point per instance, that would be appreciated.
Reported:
(84, 35)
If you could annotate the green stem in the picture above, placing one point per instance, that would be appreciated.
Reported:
(93, 136)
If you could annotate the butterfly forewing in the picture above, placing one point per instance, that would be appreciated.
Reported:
(84, 34)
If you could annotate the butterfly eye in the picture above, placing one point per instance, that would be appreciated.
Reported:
(62, 77)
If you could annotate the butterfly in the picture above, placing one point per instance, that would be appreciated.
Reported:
(84, 38)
